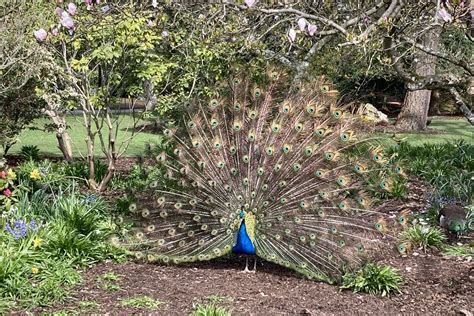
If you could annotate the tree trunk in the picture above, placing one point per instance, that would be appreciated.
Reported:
(64, 140)
(150, 97)
(414, 114)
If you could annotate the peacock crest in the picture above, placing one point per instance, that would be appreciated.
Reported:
(293, 168)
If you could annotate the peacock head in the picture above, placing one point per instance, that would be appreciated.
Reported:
(242, 214)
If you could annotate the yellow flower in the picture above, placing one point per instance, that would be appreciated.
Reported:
(37, 242)
(11, 174)
(34, 270)
(35, 175)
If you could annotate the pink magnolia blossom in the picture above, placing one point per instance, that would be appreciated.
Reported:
(302, 24)
(7, 192)
(3, 174)
(40, 35)
(67, 21)
(71, 8)
(312, 28)
(58, 11)
(292, 35)
(444, 15)
(250, 3)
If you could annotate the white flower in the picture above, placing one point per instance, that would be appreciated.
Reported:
(292, 35)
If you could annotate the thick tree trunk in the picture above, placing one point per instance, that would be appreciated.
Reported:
(64, 140)
(414, 114)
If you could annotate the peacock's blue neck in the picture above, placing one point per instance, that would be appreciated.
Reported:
(243, 244)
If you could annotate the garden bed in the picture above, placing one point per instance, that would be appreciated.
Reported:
(433, 285)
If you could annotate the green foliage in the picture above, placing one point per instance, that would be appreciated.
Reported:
(80, 169)
(142, 301)
(45, 237)
(30, 152)
(461, 251)
(17, 112)
(424, 237)
(210, 310)
(373, 279)
(448, 167)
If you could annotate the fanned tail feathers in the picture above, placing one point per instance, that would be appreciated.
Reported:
(292, 162)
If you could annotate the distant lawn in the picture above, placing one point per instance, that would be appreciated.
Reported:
(444, 130)
(441, 130)
(48, 145)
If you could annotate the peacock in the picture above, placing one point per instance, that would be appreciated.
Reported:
(287, 177)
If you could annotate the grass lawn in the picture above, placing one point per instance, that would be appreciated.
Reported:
(48, 145)
(444, 130)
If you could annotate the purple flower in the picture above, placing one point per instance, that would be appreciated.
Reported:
(55, 31)
(33, 226)
(88, 2)
(292, 35)
(71, 8)
(312, 28)
(40, 35)
(19, 229)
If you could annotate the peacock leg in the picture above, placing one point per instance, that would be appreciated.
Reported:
(246, 270)
(254, 266)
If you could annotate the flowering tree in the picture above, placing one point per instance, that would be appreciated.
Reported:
(103, 52)
(411, 38)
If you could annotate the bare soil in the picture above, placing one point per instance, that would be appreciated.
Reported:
(433, 285)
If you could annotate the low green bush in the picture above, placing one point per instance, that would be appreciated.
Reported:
(373, 279)
(424, 237)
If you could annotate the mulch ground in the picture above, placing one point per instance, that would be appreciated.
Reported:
(433, 285)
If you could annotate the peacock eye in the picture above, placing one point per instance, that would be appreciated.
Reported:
(237, 107)
(269, 151)
(344, 137)
(310, 109)
(329, 156)
(337, 114)
(251, 137)
(324, 88)
(237, 126)
(298, 127)
(319, 132)
(285, 109)
(286, 148)
(397, 169)
(246, 159)
(191, 124)
(213, 103)
(257, 92)
(275, 128)
(264, 187)
(296, 167)
(277, 168)
(252, 115)
(318, 173)
(283, 200)
(378, 226)
(308, 151)
(233, 150)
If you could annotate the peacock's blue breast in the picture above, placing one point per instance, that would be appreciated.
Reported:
(243, 244)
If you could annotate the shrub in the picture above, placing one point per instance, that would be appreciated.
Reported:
(30, 152)
(424, 236)
(373, 279)
(448, 167)
(461, 251)
(210, 310)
